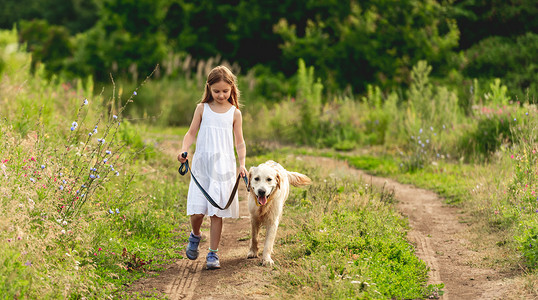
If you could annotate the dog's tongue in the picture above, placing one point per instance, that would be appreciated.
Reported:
(262, 200)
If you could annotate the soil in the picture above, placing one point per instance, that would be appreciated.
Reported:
(436, 230)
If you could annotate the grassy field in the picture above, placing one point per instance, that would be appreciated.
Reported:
(89, 202)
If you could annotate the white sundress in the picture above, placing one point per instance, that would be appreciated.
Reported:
(214, 165)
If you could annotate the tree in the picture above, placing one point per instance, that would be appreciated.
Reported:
(375, 42)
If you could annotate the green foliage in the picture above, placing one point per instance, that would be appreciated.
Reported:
(430, 111)
(512, 59)
(309, 99)
(76, 16)
(528, 242)
(484, 139)
(48, 44)
(479, 20)
(126, 41)
(378, 37)
(15, 279)
(13, 62)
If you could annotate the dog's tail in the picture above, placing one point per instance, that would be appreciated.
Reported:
(298, 179)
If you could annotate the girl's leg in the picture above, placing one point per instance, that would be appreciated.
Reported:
(195, 237)
(215, 232)
(196, 223)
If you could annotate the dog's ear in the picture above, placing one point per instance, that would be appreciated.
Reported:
(250, 177)
(278, 180)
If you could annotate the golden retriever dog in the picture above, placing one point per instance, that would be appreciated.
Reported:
(269, 187)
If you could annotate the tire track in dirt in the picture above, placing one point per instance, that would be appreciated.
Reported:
(184, 284)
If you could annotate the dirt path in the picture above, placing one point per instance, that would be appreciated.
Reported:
(439, 238)
(435, 230)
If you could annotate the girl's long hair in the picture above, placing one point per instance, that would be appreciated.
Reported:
(217, 74)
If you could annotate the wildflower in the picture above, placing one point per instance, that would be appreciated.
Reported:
(19, 238)
(134, 93)
(108, 152)
(75, 124)
(85, 101)
(100, 249)
(90, 134)
(32, 180)
(64, 223)
(83, 186)
(118, 210)
(117, 173)
(420, 131)
(115, 117)
(527, 113)
(42, 166)
(61, 187)
(92, 176)
(515, 119)
(111, 168)
(105, 160)
(93, 169)
(28, 263)
(32, 158)
(95, 130)
(63, 231)
(110, 211)
(536, 211)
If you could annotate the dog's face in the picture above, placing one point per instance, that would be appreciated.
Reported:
(263, 182)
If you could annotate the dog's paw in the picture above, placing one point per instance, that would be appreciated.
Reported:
(267, 262)
(252, 254)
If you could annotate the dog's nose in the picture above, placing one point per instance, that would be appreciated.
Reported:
(261, 192)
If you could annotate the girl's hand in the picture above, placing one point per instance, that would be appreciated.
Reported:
(181, 158)
(243, 171)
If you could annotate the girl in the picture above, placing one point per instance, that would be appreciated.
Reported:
(217, 120)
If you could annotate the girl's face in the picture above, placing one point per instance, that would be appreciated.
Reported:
(220, 91)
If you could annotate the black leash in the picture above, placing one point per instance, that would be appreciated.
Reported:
(184, 168)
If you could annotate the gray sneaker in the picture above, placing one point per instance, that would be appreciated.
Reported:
(212, 261)
(192, 247)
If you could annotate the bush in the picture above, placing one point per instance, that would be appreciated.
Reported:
(513, 59)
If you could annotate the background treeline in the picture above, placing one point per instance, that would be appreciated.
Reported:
(352, 44)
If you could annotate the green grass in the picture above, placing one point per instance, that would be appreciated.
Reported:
(344, 240)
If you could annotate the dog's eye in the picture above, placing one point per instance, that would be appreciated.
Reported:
(256, 178)
(269, 179)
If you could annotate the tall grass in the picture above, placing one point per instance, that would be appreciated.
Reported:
(82, 196)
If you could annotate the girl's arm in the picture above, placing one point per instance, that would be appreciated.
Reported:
(190, 136)
(240, 146)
